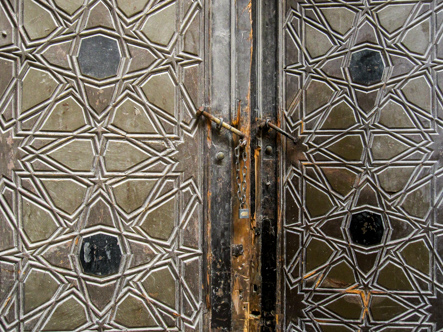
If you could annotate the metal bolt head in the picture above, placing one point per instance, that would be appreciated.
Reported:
(269, 149)
(220, 156)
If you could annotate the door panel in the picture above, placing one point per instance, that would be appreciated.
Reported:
(361, 235)
(101, 195)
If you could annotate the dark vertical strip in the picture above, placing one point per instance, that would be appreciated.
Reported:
(220, 186)
(269, 161)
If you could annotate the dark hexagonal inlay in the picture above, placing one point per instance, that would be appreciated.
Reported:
(366, 67)
(99, 56)
(100, 254)
(366, 228)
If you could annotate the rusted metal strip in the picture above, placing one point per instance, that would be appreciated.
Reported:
(242, 266)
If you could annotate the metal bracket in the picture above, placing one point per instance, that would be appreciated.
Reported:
(220, 123)
(266, 124)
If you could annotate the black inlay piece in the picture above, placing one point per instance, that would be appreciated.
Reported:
(99, 56)
(366, 67)
(100, 255)
(366, 228)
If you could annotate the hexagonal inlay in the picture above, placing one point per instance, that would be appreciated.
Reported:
(366, 228)
(99, 56)
(100, 254)
(366, 67)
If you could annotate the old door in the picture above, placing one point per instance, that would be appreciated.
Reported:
(361, 234)
(101, 184)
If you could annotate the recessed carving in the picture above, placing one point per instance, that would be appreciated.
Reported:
(366, 228)
(366, 67)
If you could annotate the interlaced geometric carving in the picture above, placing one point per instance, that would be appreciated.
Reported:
(99, 144)
(371, 145)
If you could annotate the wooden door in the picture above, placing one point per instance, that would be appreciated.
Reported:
(101, 206)
(361, 229)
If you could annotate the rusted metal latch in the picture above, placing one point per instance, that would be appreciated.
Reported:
(220, 123)
(266, 124)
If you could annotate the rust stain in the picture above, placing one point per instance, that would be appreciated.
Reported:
(257, 153)
(236, 121)
(146, 298)
(365, 297)
(236, 295)
(248, 8)
(246, 321)
(319, 280)
(7, 301)
(244, 265)
(306, 276)
(208, 130)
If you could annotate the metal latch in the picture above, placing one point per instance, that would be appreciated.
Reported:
(220, 123)
(241, 158)
(266, 124)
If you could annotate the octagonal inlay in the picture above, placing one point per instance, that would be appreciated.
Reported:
(100, 254)
(99, 56)
(366, 67)
(366, 228)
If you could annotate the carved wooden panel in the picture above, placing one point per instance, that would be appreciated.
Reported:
(362, 232)
(101, 190)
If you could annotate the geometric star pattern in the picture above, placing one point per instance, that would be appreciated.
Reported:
(99, 139)
(367, 146)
